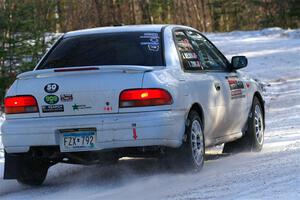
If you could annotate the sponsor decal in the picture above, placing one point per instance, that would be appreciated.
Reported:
(51, 99)
(53, 108)
(134, 133)
(235, 94)
(195, 63)
(236, 87)
(51, 88)
(66, 97)
(153, 47)
(107, 107)
(151, 40)
(234, 84)
(248, 85)
(189, 55)
(80, 107)
(182, 42)
(150, 35)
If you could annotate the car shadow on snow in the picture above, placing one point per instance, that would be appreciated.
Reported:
(217, 156)
(127, 170)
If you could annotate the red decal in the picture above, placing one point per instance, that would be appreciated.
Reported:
(134, 133)
(107, 108)
(248, 85)
(232, 81)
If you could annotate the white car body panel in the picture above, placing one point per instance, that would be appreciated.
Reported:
(94, 90)
(113, 130)
(223, 117)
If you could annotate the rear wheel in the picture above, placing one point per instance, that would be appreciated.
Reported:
(33, 173)
(254, 136)
(191, 153)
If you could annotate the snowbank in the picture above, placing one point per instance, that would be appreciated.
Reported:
(264, 32)
(268, 32)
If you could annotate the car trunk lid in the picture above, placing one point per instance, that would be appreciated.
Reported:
(80, 90)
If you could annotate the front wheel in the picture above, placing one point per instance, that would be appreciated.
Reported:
(253, 138)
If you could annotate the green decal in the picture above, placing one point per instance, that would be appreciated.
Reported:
(75, 107)
(80, 107)
(51, 99)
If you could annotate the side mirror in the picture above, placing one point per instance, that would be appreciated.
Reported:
(238, 62)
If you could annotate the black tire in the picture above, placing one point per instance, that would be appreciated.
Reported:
(253, 138)
(33, 173)
(184, 157)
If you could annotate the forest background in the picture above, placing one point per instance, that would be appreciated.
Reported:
(29, 27)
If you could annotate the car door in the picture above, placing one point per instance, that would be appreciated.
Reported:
(201, 86)
(229, 84)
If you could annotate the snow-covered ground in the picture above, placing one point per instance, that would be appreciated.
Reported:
(274, 173)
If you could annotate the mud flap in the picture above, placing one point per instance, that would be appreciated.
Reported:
(13, 166)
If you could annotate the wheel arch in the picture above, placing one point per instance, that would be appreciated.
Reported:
(198, 108)
(261, 101)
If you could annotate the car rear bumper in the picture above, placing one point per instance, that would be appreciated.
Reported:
(162, 128)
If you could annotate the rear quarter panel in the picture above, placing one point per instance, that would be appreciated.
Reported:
(13, 91)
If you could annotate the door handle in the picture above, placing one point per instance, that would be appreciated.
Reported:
(217, 86)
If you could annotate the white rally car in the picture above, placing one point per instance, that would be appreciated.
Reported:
(100, 94)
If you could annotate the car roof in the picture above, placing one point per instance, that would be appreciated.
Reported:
(114, 29)
(121, 28)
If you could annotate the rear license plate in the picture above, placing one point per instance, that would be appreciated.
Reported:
(77, 140)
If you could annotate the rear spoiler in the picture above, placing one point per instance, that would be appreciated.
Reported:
(104, 68)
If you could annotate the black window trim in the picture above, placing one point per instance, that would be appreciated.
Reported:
(162, 37)
(45, 57)
(198, 70)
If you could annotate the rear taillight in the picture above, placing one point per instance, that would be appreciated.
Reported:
(20, 104)
(144, 97)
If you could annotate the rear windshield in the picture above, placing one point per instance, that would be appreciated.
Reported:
(132, 48)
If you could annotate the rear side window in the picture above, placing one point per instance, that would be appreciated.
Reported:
(131, 48)
(209, 56)
(187, 53)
